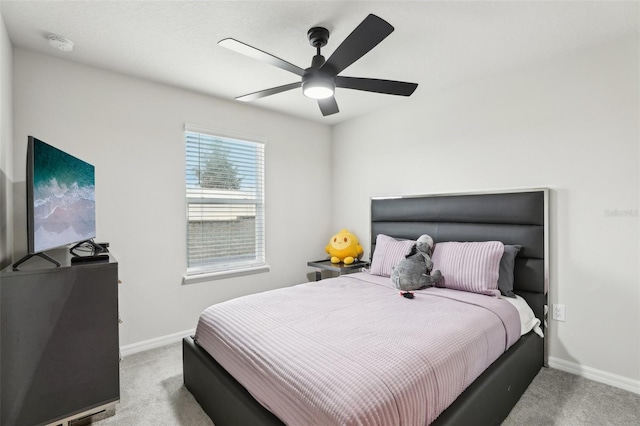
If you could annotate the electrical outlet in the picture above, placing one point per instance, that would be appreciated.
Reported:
(558, 312)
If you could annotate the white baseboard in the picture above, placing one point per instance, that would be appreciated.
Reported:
(596, 375)
(155, 343)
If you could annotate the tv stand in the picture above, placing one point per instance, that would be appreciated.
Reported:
(58, 340)
(29, 256)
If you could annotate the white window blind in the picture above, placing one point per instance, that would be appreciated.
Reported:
(225, 203)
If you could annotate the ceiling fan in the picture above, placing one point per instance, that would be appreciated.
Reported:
(321, 78)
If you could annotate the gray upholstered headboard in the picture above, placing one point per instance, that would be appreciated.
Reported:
(518, 217)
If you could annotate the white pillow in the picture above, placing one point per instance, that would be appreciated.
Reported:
(528, 320)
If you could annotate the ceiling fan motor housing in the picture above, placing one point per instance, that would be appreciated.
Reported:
(318, 83)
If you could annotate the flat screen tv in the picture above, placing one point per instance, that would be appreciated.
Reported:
(60, 198)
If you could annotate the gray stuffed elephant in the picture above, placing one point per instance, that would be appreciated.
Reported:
(415, 270)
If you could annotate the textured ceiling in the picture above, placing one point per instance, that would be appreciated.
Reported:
(436, 44)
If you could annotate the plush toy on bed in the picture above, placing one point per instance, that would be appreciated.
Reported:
(415, 270)
(344, 247)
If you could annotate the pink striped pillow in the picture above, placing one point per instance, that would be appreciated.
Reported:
(472, 267)
(388, 253)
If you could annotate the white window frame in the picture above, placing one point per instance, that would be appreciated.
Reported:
(194, 196)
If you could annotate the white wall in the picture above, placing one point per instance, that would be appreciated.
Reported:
(570, 124)
(132, 131)
(6, 148)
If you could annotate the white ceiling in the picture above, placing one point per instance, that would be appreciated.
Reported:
(437, 44)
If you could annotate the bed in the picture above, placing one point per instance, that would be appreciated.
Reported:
(513, 218)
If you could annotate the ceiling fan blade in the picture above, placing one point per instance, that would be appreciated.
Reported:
(365, 37)
(389, 87)
(328, 106)
(268, 92)
(252, 52)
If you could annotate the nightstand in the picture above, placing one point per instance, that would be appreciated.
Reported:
(341, 268)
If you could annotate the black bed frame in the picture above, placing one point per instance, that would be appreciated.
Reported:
(513, 217)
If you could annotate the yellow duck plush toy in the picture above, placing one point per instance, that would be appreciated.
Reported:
(344, 247)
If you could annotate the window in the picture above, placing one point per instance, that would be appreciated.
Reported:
(225, 204)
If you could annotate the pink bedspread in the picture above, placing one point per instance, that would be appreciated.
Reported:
(350, 350)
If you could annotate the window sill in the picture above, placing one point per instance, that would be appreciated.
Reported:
(212, 276)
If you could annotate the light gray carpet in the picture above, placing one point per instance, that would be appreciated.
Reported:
(152, 393)
(558, 398)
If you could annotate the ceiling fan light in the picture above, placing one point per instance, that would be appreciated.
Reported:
(318, 89)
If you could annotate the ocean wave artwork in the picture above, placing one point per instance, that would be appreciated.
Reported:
(63, 198)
